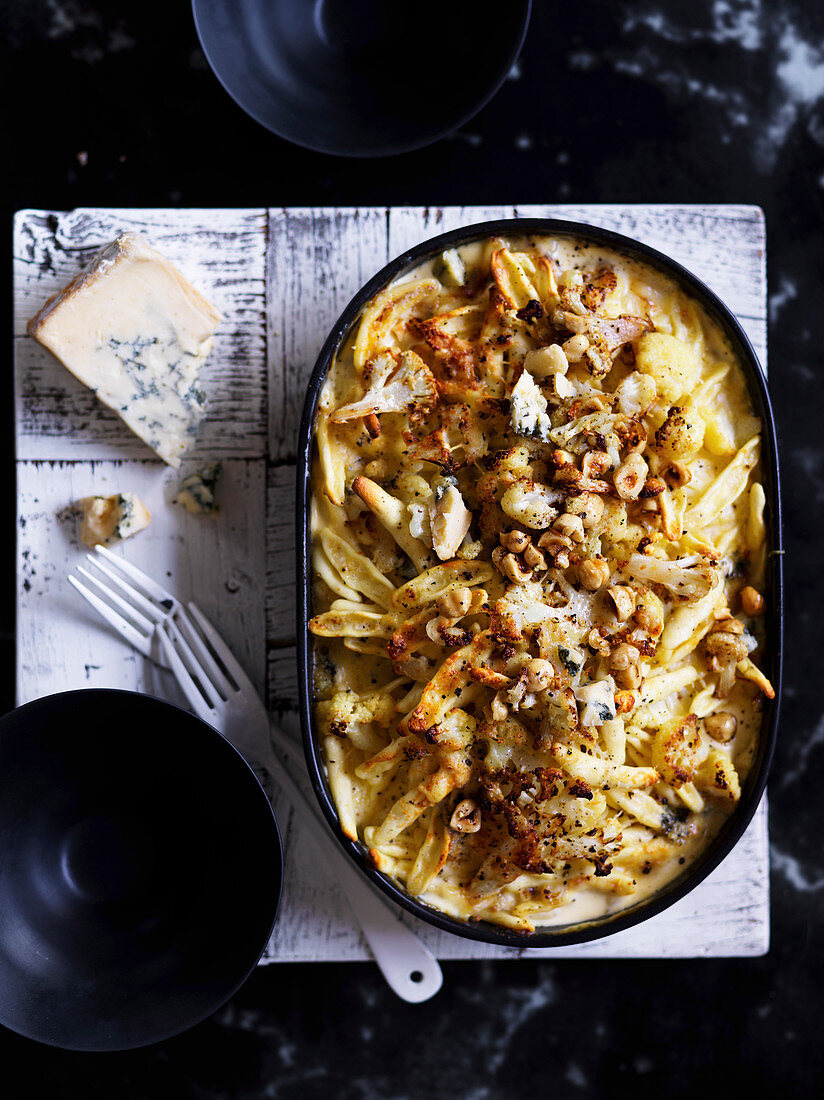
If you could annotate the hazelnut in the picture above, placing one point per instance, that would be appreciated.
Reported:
(455, 602)
(539, 674)
(516, 541)
(623, 599)
(571, 527)
(752, 602)
(466, 817)
(721, 725)
(593, 573)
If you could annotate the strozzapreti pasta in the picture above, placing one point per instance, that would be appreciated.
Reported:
(538, 553)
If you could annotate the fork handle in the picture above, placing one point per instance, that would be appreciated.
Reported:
(410, 968)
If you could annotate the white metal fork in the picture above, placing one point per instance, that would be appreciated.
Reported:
(219, 691)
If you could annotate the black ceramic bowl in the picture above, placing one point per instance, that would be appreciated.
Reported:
(140, 870)
(360, 78)
(754, 785)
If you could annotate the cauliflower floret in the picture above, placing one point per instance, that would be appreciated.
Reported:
(677, 750)
(680, 436)
(690, 577)
(346, 714)
(502, 468)
(531, 503)
(529, 416)
(636, 394)
(649, 611)
(669, 361)
(411, 385)
(611, 333)
(717, 776)
(607, 336)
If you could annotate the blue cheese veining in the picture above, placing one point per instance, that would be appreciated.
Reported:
(135, 331)
(197, 492)
(529, 414)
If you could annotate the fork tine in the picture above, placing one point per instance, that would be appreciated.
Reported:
(194, 667)
(149, 586)
(140, 621)
(184, 678)
(134, 602)
(201, 652)
(222, 650)
(129, 632)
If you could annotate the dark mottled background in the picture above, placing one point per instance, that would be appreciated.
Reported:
(612, 101)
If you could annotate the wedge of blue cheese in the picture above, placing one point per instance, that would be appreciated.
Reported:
(135, 331)
(108, 519)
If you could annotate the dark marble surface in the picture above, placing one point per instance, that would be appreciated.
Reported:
(613, 100)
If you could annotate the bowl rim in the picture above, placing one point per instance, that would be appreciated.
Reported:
(279, 866)
(734, 827)
(386, 149)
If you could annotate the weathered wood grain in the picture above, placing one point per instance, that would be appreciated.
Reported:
(221, 252)
(317, 260)
(217, 561)
(281, 278)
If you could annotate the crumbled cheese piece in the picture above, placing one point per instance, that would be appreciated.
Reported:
(598, 702)
(107, 519)
(450, 269)
(570, 659)
(197, 492)
(528, 415)
(132, 329)
(449, 521)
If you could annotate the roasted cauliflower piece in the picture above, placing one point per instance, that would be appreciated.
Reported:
(677, 750)
(680, 436)
(531, 504)
(636, 394)
(398, 382)
(349, 715)
(718, 776)
(691, 578)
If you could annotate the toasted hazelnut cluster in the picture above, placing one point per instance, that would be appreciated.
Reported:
(517, 558)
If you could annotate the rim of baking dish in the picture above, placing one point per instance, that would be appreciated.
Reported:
(732, 830)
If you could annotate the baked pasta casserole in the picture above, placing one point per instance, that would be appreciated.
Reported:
(538, 556)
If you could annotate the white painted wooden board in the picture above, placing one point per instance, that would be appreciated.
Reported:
(281, 277)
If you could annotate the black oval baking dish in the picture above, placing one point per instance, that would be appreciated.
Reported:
(734, 827)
